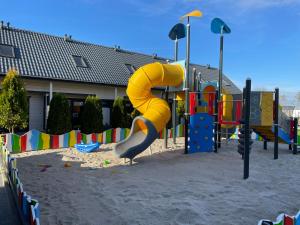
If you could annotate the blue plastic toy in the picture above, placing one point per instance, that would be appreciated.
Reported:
(87, 148)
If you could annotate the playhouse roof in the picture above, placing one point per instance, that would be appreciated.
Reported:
(43, 56)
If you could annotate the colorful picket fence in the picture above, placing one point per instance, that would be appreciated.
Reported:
(35, 140)
(283, 219)
(28, 207)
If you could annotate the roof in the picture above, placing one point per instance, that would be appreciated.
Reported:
(45, 56)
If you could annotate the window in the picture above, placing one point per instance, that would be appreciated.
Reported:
(130, 68)
(7, 51)
(79, 61)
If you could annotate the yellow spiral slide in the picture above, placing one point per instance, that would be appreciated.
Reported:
(156, 112)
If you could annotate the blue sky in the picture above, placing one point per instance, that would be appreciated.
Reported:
(264, 44)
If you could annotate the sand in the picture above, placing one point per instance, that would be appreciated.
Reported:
(166, 187)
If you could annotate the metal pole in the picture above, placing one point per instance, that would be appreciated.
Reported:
(166, 128)
(186, 121)
(216, 122)
(247, 128)
(220, 82)
(276, 123)
(295, 147)
(221, 66)
(174, 98)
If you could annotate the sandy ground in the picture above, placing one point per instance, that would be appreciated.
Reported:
(163, 188)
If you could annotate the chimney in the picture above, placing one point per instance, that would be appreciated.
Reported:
(1, 24)
(65, 37)
(8, 25)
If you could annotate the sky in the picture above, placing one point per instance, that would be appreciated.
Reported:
(264, 44)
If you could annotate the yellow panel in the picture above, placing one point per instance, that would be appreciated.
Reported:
(100, 137)
(266, 105)
(227, 109)
(72, 138)
(46, 140)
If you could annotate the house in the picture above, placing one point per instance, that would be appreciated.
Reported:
(51, 64)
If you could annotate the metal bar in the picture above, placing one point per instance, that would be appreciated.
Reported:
(276, 106)
(295, 147)
(186, 121)
(174, 97)
(247, 128)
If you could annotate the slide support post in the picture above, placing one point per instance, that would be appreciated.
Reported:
(187, 105)
(276, 121)
(247, 128)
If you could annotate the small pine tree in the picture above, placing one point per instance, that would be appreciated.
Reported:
(59, 118)
(120, 118)
(13, 102)
(91, 116)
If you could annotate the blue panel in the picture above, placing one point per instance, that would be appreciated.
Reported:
(283, 135)
(201, 133)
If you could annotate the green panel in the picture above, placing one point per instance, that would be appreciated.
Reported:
(16, 143)
(108, 134)
(40, 143)
(84, 138)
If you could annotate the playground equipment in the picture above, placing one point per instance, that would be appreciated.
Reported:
(212, 114)
(283, 219)
(271, 123)
(156, 112)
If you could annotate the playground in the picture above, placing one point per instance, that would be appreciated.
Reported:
(166, 187)
(231, 160)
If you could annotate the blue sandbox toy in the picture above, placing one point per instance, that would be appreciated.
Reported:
(87, 148)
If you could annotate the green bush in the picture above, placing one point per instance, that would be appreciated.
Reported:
(59, 118)
(13, 102)
(120, 117)
(91, 116)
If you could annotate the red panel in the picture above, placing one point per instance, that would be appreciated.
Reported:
(291, 129)
(192, 103)
(94, 137)
(220, 112)
(79, 138)
(211, 99)
(288, 220)
(23, 142)
(238, 114)
(55, 141)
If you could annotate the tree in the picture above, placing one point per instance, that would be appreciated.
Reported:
(120, 118)
(91, 116)
(59, 118)
(13, 102)
(180, 110)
